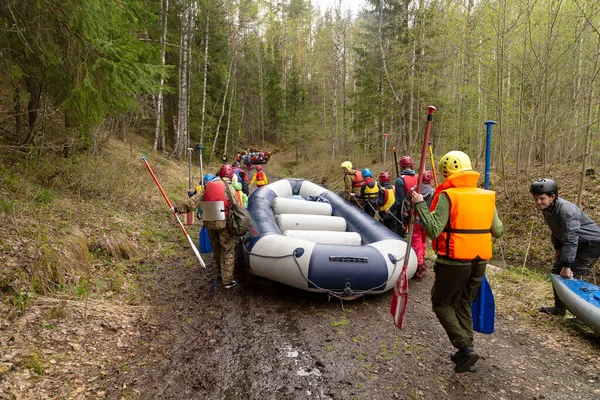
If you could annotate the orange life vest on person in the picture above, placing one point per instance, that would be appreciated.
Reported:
(215, 191)
(358, 180)
(260, 176)
(467, 234)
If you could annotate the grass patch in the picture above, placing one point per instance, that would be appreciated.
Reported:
(341, 322)
(34, 363)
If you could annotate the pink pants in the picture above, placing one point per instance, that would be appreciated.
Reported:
(419, 242)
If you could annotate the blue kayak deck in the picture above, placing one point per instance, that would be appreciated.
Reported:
(585, 290)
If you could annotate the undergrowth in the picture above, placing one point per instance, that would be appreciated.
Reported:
(79, 227)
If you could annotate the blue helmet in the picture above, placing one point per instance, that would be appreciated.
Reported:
(208, 177)
(366, 172)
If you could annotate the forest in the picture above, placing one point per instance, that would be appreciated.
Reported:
(100, 293)
(226, 74)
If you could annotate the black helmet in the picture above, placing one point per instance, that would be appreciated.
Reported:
(544, 186)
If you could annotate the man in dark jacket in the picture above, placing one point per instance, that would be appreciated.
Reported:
(575, 237)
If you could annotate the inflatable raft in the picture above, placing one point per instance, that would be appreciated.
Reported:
(329, 247)
(581, 298)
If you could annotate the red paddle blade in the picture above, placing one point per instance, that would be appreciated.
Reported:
(400, 299)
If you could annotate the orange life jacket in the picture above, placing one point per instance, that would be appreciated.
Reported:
(215, 191)
(467, 234)
(260, 176)
(358, 180)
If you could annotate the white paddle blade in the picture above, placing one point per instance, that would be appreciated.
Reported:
(196, 252)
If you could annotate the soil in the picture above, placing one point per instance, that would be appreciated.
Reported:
(190, 338)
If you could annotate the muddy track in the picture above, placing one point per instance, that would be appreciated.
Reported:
(263, 340)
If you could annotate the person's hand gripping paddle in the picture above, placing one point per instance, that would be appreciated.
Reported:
(175, 214)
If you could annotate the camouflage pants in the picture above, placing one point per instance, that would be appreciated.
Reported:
(586, 257)
(454, 290)
(223, 245)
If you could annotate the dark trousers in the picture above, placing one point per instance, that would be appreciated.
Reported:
(371, 207)
(586, 257)
(454, 290)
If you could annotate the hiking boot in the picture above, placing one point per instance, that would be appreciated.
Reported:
(454, 356)
(553, 311)
(466, 358)
(230, 285)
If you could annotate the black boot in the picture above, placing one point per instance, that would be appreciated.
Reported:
(465, 359)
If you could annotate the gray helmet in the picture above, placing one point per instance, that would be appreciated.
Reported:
(544, 186)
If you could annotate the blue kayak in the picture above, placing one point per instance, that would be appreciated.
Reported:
(581, 298)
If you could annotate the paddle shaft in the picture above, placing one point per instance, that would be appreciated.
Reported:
(433, 165)
(201, 170)
(396, 163)
(483, 308)
(174, 213)
(488, 152)
(400, 297)
(430, 111)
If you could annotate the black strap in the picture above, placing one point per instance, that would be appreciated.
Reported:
(470, 231)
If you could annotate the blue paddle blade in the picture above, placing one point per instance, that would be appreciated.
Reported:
(204, 242)
(483, 309)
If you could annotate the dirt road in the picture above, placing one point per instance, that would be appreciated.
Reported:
(186, 337)
(263, 340)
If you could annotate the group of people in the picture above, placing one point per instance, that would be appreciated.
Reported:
(462, 238)
(249, 157)
(389, 202)
(230, 185)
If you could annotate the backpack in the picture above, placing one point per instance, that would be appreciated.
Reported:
(405, 211)
(238, 218)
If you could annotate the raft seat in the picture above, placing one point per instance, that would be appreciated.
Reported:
(282, 205)
(326, 237)
(308, 222)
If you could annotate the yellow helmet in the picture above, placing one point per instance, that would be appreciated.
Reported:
(346, 164)
(453, 162)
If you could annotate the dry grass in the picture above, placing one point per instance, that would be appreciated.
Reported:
(67, 223)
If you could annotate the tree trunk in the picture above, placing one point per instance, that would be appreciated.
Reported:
(588, 122)
(261, 94)
(214, 145)
(206, 35)
(229, 110)
(159, 139)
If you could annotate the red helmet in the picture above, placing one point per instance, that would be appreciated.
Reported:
(427, 176)
(406, 161)
(384, 177)
(259, 167)
(226, 171)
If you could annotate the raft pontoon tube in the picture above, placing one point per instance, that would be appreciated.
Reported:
(333, 247)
